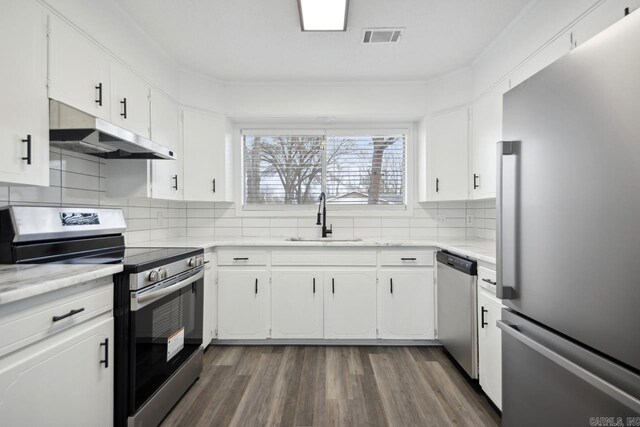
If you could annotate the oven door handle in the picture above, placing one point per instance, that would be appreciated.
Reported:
(139, 300)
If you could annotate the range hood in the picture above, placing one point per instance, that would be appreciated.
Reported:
(76, 130)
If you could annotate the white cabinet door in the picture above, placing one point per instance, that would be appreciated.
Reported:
(167, 177)
(78, 71)
(406, 301)
(296, 304)
(129, 100)
(243, 302)
(24, 107)
(61, 381)
(486, 133)
(490, 346)
(448, 139)
(206, 154)
(350, 304)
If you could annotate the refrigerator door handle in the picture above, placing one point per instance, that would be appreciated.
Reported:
(602, 385)
(506, 217)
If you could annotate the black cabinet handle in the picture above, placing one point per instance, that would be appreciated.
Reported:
(333, 286)
(491, 282)
(475, 181)
(482, 322)
(437, 185)
(391, 284)
(314, 285)
(175, 182)
(28, 141)
(214, 185)
(69, 314)
(124, 107)
(99, 100)
(241, 259)
(408, 259)
(256, 286)
(106, 352)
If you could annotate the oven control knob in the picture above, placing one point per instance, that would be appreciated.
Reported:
(192, 262)
(163, 273)
(154, 276)
(200, 261)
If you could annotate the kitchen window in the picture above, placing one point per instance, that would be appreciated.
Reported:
(358, 169)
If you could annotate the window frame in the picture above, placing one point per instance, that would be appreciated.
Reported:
(346, 129)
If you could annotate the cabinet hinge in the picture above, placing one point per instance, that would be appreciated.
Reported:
(269, 332)
(215, 333)
(216, 279)
(377, 332)
(377, 280)
(435, 333)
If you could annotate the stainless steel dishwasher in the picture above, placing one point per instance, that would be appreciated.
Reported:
(457, 309)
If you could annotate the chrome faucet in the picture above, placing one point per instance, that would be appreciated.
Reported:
(323, 205)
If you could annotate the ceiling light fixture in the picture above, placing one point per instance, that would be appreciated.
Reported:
(323, 15)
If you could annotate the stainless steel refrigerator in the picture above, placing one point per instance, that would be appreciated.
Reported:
(569, 237)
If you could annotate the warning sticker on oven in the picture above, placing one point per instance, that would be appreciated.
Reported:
(175, 343)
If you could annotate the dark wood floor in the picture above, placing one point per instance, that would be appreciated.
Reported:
(326, 386)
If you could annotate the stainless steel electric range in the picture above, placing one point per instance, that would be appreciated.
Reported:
(158, 303)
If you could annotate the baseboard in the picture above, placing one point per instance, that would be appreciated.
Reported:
(323, 342)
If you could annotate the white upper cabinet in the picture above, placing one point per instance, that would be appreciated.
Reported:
(167, 176)
(486, 133)
(24, 108)
(448, 140)
(78, 71)
(207, 154)
(130, 107)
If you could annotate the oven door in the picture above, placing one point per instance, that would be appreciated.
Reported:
(165, 330)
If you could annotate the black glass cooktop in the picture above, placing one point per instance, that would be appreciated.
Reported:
(135, 259)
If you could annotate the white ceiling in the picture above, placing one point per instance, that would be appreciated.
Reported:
(260, 40)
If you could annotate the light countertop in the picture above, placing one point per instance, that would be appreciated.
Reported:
(478, 249)
(22, 281)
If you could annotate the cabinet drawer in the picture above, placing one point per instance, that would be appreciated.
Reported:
(487, 279)
(242, 257)
(47, 314)
(408, 257)
(358, 257)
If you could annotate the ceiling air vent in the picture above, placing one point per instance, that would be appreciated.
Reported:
(382, 35)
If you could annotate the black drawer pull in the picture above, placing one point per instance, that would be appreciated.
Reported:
(214, 185)
(489, 281)
(482, 322)
(106, 352)
(437, 185)
(99, 100)
(28, 141)
(391, 284)
(241, 259)
(69, 314)
(408, 259)
(333, 286)
(314, 285)
(256, 286)
(175, 182)
(124, 107)
(475, 181)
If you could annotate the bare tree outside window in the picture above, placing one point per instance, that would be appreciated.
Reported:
(352, 170)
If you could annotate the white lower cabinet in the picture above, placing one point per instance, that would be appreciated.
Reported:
(64, 377)
(406, 301)
(350, 304)
(296, 304)
(243, 308)
(490, 346)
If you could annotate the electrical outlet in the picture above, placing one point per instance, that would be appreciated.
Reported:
(161, 219)
(469, 220)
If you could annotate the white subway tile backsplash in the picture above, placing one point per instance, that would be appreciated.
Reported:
(78, 179)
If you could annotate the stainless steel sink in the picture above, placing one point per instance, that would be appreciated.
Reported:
(305, 239)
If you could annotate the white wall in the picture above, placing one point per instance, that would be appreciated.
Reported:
(355, 100)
